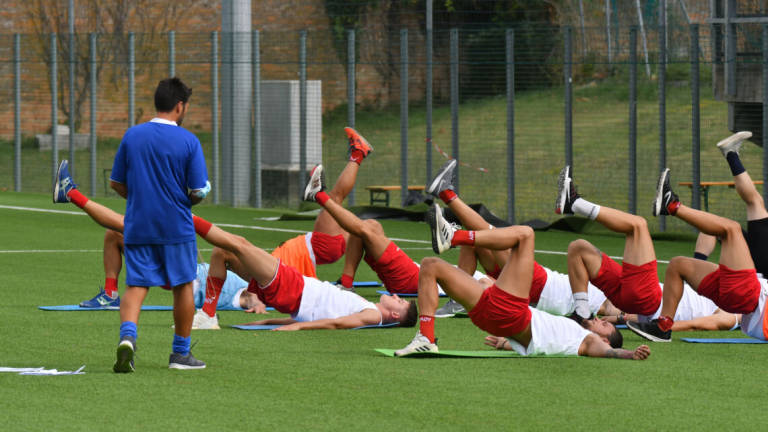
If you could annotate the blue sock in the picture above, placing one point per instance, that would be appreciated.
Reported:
(181, 344)
(735, 163)
(128, 328)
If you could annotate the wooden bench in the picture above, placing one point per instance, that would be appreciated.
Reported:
(705, 185)
(380, 194)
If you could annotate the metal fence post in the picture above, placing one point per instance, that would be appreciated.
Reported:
(568, 78)
(695, 118)
(765, 112)
(403, 116)
(171, 53)
(351, 98)
(428, 95)
(454, 61)
(54, 109)
(662, 73)
(71, 119)
(510, 45)
(632, 120)
(256, 152)
(92, 108)
(17, 112)
(215, 116)
(131, 79)
(302, 111)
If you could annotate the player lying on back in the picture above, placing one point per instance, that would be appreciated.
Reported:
(733, 284)
(503, 309)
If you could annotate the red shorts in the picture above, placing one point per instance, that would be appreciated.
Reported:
(500, 313)
(327, 248)
(538, 282)
(734, 291)
(396, 269)
(495, 272)
(633, 289)
(284, 292)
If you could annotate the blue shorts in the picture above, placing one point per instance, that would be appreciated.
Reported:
(157, 265)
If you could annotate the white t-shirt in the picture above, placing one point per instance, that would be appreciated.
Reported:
(692, 305)
(551, 335)
(557, 297)
(324, 300)
(752, 323)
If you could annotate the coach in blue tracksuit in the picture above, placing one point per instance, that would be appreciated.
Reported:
(160, 170)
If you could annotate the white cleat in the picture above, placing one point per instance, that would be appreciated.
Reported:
(204, 322)
(442, 230)
(733, 142)
(419, 344)
(316, 183)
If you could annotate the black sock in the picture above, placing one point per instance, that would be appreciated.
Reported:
(735, 163)
(701, 256)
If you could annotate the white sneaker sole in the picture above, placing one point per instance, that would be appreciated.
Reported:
(645, 335)
(659, 200)
(317, 171)
(563, 185)
(435, 217)
(436, 182)
(418, 349)
(183, 366)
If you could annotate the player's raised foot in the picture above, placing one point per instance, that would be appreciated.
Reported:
(578, 318)
(650, 331)
(202, 321)
(666, 201)
(566, 192)
(178, 361)
(102, 301)
(125, 352)
(449, 309)
(358, 142)
(444, 180)
(733, 142)
(64, 183)
(442, 230)
(316, 183)
(419, 344)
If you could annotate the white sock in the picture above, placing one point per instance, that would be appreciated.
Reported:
(585, 208)
(582, 304)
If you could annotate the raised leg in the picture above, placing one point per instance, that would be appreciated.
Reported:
(682, 269)
(734, 252)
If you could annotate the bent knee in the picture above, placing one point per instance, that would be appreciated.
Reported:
(580, 247)
(372, 228)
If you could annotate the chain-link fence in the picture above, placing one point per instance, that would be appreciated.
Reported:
(512, 105)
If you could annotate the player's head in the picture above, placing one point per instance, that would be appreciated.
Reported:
(605, 330)
(172, 96)
(399, 310)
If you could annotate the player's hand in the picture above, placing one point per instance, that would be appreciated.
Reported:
(259, 309)
(641, 353)
(496, 342)
(289, 327)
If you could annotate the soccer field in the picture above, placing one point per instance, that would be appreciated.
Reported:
(325, 380)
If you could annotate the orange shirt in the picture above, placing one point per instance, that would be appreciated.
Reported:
(295, 253)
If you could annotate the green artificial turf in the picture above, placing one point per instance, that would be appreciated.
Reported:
(325, 380)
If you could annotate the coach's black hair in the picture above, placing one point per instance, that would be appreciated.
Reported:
(615, 339)
(169, 92)
(412, 316)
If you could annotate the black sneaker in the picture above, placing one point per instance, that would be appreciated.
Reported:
(579, 319)
(650, 331)
(126, 349)
(566, 192)
(178, 361)
(664, 195)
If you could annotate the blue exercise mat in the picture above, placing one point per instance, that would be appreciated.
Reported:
(274, 326)
(364, 284)
(724, 340)
(70, 308)
(403, 295)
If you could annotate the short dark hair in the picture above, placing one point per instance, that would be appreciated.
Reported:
(615, 339)
(169, 92)
(412, 316)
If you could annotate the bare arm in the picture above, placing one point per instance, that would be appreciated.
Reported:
(594, 346)
(194, 198)
(120, 188)
(720, 320)
(366, 317)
